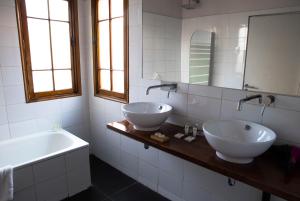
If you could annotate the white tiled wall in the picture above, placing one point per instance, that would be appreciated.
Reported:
(18, 118)
(173, 177)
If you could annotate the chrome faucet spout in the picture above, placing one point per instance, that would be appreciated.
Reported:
(241, 101)
(170, 87)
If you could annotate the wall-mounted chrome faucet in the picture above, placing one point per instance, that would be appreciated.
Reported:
(257, 96)
(169, 87)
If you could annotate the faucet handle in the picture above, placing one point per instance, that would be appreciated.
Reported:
(271, 100)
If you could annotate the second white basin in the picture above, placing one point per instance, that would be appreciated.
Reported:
(146, 116)
(238, 141)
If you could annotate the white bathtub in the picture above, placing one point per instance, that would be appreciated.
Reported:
(49, 165)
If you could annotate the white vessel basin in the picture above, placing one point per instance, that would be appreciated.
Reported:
(146, 116)
(238, 141)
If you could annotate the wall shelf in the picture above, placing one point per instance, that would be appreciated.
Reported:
(264, 173)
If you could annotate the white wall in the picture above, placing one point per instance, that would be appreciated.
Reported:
(175, 178)
(217, 7)
(171, 8)
(18, 118)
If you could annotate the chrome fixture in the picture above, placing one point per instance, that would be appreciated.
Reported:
(191, 4)
(258, 96)
(170, 87)
(271, 99)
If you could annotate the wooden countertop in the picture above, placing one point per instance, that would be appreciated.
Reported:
(264, 173)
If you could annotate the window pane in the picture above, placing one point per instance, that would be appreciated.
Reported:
(59, 10)
(42, 81)
(118, 81)
(117, 44)
(105, 79)
(63, 79)
(61, 51)
(39, 44)
(117, 8)
(104, 50)
(103, 9)
(37, 8)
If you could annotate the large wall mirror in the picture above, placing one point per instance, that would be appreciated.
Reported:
(253, 50)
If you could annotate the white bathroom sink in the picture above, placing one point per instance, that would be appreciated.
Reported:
(238, 141)
(146, 116)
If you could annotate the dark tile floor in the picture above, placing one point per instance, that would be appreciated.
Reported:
(109, 184)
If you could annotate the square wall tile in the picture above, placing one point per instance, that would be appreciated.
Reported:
(78, 181)
(4, 132)
(20, 112)
(23, 128)
(23, 178)
(212, 92)
(77, 159)
(285, 123)
(248, 112)
(9, 37)
(233, 94)
(170, 164)
(2, 97)
(12, 76)
(129, 164)
(25, 194)
(14, 94)
(3, 115)
(48, 169)
(287, 102)
(148, 175)
(53, 189)
(178, 101)
(170, 185)
(129, 145)
(203, 108)
(8, 16)
(8, 3)
(149, 155)
(192, 192)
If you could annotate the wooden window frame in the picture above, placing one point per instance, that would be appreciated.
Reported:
(32, 96)
(98, 92)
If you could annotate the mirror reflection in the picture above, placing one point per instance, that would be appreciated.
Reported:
(245, 50)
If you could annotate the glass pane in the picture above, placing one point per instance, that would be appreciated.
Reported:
(104, 50)
(39, 44)
(103, 9)
(37, 8)
(118, 81)
(61, 51)
(63, 79)
(105, 79)
(59, 10)
(42, 81)
(117, 8)
(117, 44)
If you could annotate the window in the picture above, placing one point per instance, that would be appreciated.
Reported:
(111, 49)
(48, 35)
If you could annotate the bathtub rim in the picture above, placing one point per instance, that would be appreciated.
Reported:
(77, 144)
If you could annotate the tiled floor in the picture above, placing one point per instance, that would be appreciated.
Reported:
(109, 184)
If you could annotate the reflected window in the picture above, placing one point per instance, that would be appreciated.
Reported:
(49, 49)
(111, 49)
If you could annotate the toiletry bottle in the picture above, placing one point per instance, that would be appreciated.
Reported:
(195, 130)
(187, 128)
